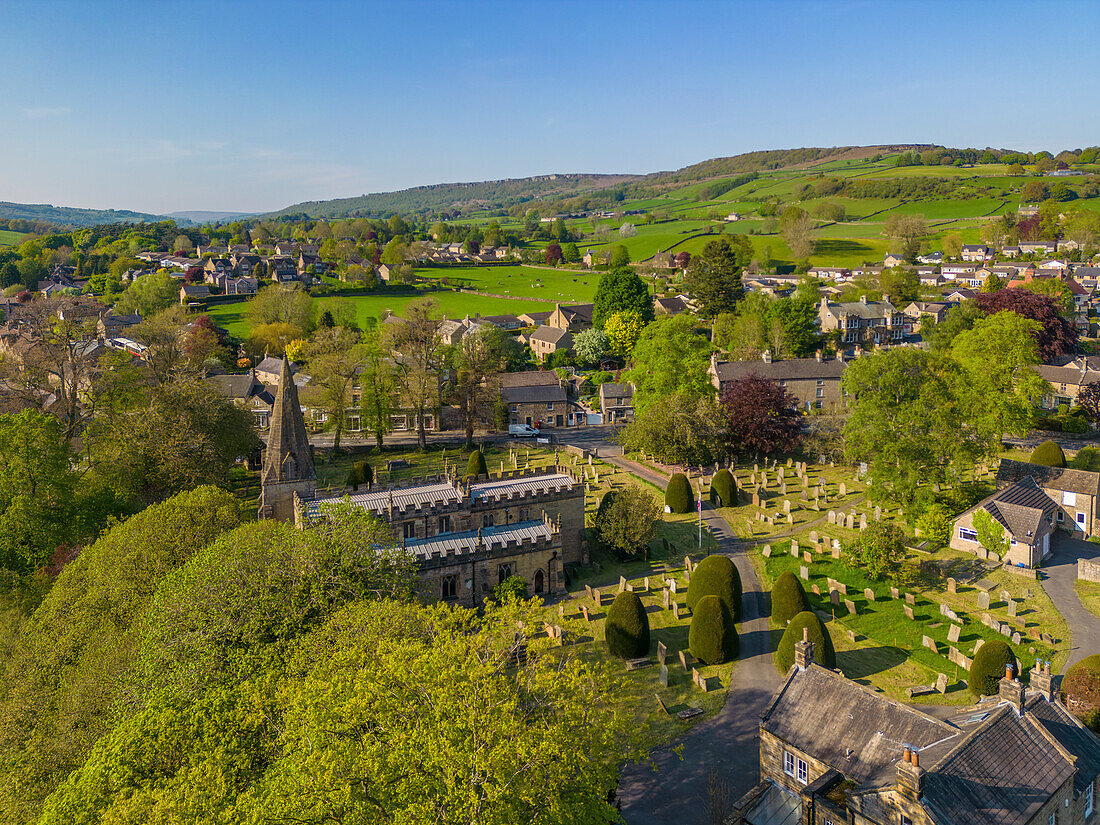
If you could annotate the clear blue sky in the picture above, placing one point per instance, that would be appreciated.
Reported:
(251, 106)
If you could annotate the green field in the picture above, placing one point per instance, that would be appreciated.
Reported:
(565, 286)
(9, 238)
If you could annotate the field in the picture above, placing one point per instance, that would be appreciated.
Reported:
(567, 286)
(9, 238)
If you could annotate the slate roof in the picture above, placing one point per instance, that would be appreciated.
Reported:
(552, 335)
(533, 393)
(612, 389)
(1001, 774)
(794, 369)
(1051, 478)
(239, 387)
(529, 378)
(870, 309)
(1020, 508)
(486, 537)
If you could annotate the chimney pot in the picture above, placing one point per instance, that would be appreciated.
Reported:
(908, 755)
(916, 758)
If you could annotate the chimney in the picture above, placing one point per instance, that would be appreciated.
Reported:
(1011, 690)
(863, 299)
(804, 651)
(767, 356)
(1042, 681)
(910, 775)
(818, 356)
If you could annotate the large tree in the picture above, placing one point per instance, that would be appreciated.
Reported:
(714, 276)
(795, 225)
(477, 381)
(621, 290)
(416, 343)
(670, 356)
(680, 428)
(1057, 336)
(334, 359)
(629, 522)
(760, 418)
(908, 232)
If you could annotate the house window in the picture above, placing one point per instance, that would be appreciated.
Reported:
(450, 587)
(409, 530)
(549, 406)
(820, 392)
(504, 571)
(967, 535)
(1061, 516)
(1053, 818)
(788, 763)
(803, 771)
(1088, 800)
(1080, 517)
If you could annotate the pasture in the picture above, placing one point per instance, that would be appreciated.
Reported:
(9, 238)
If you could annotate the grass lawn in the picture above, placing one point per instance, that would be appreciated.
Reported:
(1089, 594)
(9, 238)
(566, 286)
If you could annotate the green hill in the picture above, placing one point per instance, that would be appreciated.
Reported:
(71, 216)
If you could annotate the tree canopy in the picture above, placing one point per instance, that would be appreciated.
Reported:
(669, 357)
(621, 290)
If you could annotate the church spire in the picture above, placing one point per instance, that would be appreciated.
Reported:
(288, 456)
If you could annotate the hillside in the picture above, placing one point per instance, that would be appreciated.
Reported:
(71, 216)
(200, 216)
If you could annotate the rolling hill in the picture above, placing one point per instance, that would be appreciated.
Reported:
(71, 216)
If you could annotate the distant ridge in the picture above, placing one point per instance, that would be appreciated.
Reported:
(71, 216)
(199, 216)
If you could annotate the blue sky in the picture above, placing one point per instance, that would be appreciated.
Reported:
(254, 106)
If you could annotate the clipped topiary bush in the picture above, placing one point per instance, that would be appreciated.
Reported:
(723, 491)
(824, 653)
(788, 598)
(988, 667)
(716, 576)
(678, 494)
(627, 627)
(712, 637)
(1048, 454)
(1081, 685)
(360, 473)
(476, 465)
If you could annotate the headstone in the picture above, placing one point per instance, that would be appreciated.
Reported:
(804, 572)
(764, 479)
(687, 564)
(1005, 596)
(663, 675)
(664, 598)
(561, 610)
(794, 548)
(983, 600)
(767, 551)
(908, 611)
(893, 592)
(662, 652)
(835, 552)
(630, 588)
(1011, 607)
(672, 585)
(850, 522)
(783, 490)
(1015, 638)
(787, 506)
(675, 610)
(646, 583)
(851, 634)
(683, 654)
(834, 597)
(584, 612)
(910, 599)
(952, 587)
(953, 633)
(1006, 629)
(596, 597)
(622, 583)
(850, 606)
(941, 683)
(806, 557)
(790, 518)
(831, 517)
(943, 609)
(816, 590)
(843, 489)
(869, 594)
(987, 620)
(978, 646)
(813, 537)
(588, 590)
(878, 513)
(862, 521)
(930, 643)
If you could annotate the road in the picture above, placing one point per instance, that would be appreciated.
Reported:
(1061, 573)
(675, 789)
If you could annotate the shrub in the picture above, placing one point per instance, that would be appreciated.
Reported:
(476, 465)
(1048, 454)
(824, 654)
(360, 473)
(723, 491)
(988, 667)
(716, 576)
(1081, 685)
(712, 637)
(627, 627)
(1087, 458)
(511, 588)
(678, 494)
(935, 524)
(788, 598)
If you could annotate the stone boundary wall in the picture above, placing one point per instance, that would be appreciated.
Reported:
(1088, 570)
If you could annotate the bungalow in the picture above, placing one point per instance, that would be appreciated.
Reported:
(929, 275)
(957, 296)
(670, 306)
(934, 258)
(546, 340)
(501, 321)
(953, 271)
(1027, 515)
(616, 402)
(1076, 492)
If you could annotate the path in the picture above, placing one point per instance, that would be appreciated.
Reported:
(1061, 573)
(677, 791)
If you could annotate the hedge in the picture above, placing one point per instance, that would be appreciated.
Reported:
(1082, 684)
(723, 490)
(360, 473)
(824, 653)
(716, 576)
(678, 494)
(476, 465)
(627, 627)
(788, 598)
(988, 667)
(1048, 454)
(712, 637)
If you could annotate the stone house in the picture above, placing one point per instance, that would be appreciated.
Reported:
(536, 398)
(667, 307)
(468, 536)
(893, 259)
(862, 321)
(1038, 247)
(814, 382)
(575, 318)
(1068, 376)
(975, 252)
(1027, 515)
(616, 402)
(247, 392)
(546, 340)
(1076, 492)
(190, 293)
(833, 752)
(917, 311)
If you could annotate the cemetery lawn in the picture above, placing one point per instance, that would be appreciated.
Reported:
(1089, 594)
(891, 640)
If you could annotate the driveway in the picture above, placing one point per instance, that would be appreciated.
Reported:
(1061, 573)
(677, 790)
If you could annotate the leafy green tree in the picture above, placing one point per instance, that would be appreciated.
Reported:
(824, 652)
(795, 225)
(988, 667)
(626, 629)
(620, 257)
(935, 524)
(680, 428)
(622, 330)
(149, 294)
(991, 533)
(378, 387)
(908, 232)
(334, 359)
(629, 521)
(714, 277)
(475, 466)
(590, 346)
(669, 357)
(958, 319)
(879, 550)
(621, 290)
(570, 254)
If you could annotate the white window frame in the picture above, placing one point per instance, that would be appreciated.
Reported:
(1069, 499)
(788, 763)
(1088, 801)
(1080, 518)
(803, 771)
(967, 534)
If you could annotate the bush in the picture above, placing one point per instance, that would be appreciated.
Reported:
(678, 494)
(988, 667)
(788, 598)
(716, 576)
(627, 627)
(935, 524)
(1048, 454)
(824, 654)
(476, 465)
(723, 490)
(1081, 685)
(712, 637)
(511, 588)
(360, 473)
(1087, 458)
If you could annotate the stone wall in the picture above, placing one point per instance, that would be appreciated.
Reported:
(1088, 570)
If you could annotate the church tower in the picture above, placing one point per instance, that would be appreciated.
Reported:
(288, 460)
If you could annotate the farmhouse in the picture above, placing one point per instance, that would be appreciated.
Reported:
(546, 340)
(833, 751)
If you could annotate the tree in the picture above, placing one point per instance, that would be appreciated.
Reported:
(908, 232)
(952, 244)
(626, 629)
(788, 598)
(1048, 454)
(879, 550)
(714, 277)
(1057, 336)
(553, 254)
(477, 382)
(998, 354)
(824, 653)
(712, 635)
(279, 305)
(988, 667)
(680, 428)
(590, 346)
(760, 418)
(669, 357)
(678, 495)
(623, 329)
(723, 489)
(149, 294)
(164, 335)
(899, 285)
(621, 290)
(1015, 170)
(415, 339)
(991, 533)
(935, 524)
(1088, 399)
(629, 521)
(475, 466)
(334, 360)
(716, 576)
(795, 225)
(619, 257)
(957, 320)
(1033, 191)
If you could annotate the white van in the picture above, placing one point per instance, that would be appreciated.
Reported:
(521, 430)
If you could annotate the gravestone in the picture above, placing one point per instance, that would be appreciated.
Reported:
(630, 588)
(755, 498)
(790, 518)
(561, 610)
(1006, 630)
(588, 590)
(794, 548)
(596, 597)
(1015, 638)
(834, 597)
(953, 633)
(816, 590)
(862, 521)
(851, 634)
(665, 598)
(987, 620)
(893, 592)
(783, 489)
(687, 575)
(767, 551)
(941, 683)
(850, 522)
(804, 572)
(831, 517)
(908, 611)
(672, 585)
(675, 610)
(835, 552)
(813, 537)
(943, 609)
(869, 594)
(930, 643)
(663, 675)
(646, 583)
(662, 652)
(806, 557)
(584, 612)
(688, 566)
(978, 646)
(685, 660)
(764, 479)
(952, 587)
(850, 606)
(787, 506)
(878, 513)
(910, 599)
(1011, 607)
(843, 489)
(983, 600)
(781, 475)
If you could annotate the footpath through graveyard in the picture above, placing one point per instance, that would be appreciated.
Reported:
(676, 788)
